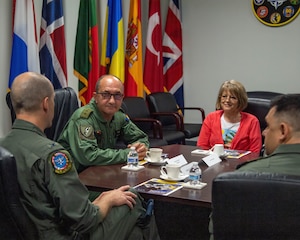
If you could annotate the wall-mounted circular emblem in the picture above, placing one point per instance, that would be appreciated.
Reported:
(275, 12)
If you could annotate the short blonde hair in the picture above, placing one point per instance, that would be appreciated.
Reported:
(235, 88)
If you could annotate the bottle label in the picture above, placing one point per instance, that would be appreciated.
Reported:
(132, 161)
(195, 177)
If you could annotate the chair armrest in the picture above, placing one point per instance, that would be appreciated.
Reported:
(195, 108)
(157, 126)
(177, 116)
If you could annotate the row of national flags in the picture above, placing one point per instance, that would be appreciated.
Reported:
(49, 57)
(163, 68)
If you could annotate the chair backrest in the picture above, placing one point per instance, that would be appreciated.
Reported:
(162, 102)
(9, 104)
(248, 205)
(136, 107)
(14, 221)
(259, 105)
(66, 102)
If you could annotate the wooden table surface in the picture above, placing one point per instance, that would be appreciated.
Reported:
(101, 178)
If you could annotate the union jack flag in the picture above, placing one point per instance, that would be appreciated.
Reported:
(52, 43)
(172, 52)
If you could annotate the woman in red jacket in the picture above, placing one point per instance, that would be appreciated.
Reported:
(228, 125)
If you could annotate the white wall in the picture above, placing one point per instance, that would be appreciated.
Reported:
(221, 40)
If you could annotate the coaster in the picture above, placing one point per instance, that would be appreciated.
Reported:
(127, 168)
(197, 186)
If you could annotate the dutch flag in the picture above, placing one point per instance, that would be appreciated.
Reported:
(24, 56)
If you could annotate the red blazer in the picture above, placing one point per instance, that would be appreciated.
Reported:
(248, 136)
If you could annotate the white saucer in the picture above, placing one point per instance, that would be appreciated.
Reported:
(180, 178)
(161, 162)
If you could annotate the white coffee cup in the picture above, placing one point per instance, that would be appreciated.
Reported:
(154, 154)
(170, 171)
(218, 149)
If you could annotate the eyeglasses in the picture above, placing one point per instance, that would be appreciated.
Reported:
(232, 98)
(108, 95)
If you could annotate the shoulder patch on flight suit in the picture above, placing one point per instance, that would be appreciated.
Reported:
(86, 131)
(61, 162)
(86, 113)
(127, 118)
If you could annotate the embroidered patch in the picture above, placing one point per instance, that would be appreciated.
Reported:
(127, 118)
(86, 131)
(61, 163)
(51, 145)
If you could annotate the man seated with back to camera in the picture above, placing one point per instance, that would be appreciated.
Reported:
(93, 130)
(281, 139)
(51, 192)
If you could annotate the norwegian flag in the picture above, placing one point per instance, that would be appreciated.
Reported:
(52, 43)
(172, 52)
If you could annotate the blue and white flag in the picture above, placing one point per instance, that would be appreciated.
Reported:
(52, 43)
(24, 55)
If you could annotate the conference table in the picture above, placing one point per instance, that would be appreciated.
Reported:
(102, 178)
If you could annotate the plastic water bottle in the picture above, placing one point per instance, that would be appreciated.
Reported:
(132, 158)
(195, 174)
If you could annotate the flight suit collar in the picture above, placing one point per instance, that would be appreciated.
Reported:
(25, 125)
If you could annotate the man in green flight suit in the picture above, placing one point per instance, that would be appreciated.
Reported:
(51, 192)
(92, 132)
(282, 140)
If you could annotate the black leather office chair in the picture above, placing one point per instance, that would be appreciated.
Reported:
(14, 221)
(66, 102)
(9, 104)
(164, 102)
(259, 105)
(136, 108)
(248, 205)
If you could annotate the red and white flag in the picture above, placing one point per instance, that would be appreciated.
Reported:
(153, 67)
